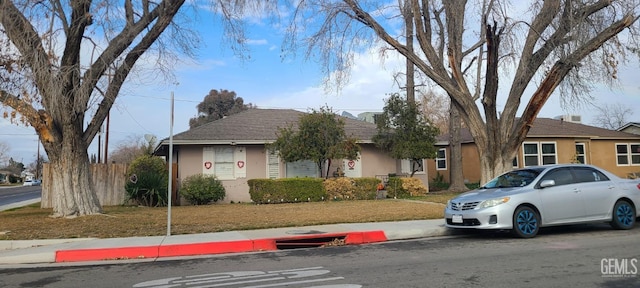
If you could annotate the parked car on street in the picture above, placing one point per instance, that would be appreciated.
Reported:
(526, 199)
(31, 183)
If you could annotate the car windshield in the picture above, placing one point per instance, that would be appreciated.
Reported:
(516, 178)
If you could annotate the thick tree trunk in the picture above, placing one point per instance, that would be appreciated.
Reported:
(456, 175)
(494, 162)
(73, 190)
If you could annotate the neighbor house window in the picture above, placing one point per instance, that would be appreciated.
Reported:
(628, 154)
(539, 153)
(441, 159)
(580, 154)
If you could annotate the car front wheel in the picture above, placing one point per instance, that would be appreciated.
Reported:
(624, 215)
(526, 222)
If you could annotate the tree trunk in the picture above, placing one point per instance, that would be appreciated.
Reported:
(73, 190)
(456, 175)
(491, 169)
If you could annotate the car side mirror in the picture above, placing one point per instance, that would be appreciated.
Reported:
(547, 183)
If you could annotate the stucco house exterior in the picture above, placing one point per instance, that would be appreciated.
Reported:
(552, 141)
(234, 149)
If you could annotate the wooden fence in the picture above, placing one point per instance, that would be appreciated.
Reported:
(109, 181)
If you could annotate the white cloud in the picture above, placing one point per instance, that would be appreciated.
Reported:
(257, 42)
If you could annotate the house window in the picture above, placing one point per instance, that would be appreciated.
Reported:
(441, 159)
(514, 163)
(224, 162)
(628, 154)
(410, 165)
(223, 166)
(548, 153)
(580, 155)
(539, 153)
(303, 168)
(530, 154)
(273, 165)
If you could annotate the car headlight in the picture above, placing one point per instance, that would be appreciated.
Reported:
(494, 202)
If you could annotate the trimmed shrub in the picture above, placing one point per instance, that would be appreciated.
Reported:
(200, 189)
(414, 186)
(366, 188)
(147, 185)
(395, 190)
(344, 188)
(286, 190)
(341, 188)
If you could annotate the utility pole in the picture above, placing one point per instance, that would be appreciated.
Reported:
(106, 135)
(38, 161)
(100, 145)
(106, 138)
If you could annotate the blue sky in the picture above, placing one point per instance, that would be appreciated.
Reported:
(268, 81)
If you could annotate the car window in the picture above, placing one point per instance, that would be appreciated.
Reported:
(516, 178)
(562, 176)
(585, 174)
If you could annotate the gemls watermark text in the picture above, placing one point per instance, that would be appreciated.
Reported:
(619, 267)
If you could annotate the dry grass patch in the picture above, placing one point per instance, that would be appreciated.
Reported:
(33, 222)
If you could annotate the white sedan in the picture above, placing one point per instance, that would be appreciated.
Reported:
(526, 199)
(31, 183)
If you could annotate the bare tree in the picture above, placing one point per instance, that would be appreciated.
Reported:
(562, 45)
(611, 116)
(132, 147)
(435, 108)
(63, 64)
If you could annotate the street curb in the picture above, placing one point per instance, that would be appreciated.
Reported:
(206, 248)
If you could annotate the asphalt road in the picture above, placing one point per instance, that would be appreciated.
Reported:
(577, 256)
(10, 197)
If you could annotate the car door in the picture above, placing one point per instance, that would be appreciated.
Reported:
(597, 190)
(562, 202)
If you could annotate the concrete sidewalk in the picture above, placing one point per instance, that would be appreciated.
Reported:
(76, 250)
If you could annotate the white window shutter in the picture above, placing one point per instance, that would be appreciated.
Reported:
(208, 161)
(240, 157)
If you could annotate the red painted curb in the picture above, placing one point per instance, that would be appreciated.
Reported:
(215, 248)
(173, 250)
(365, 237)
(121, 253)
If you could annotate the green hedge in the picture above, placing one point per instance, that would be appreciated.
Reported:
(286, 190)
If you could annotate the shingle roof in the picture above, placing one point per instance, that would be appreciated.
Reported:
(555, 128)
(257, 126)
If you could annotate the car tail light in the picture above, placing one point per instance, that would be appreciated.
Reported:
(638, 186)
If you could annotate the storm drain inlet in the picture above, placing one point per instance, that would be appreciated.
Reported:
(310, 242)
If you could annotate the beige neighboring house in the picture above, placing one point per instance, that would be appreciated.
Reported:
(554, 141)
(234, 150)
(631, 127)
